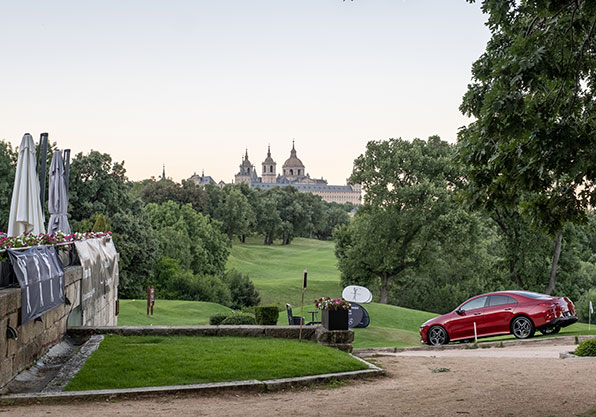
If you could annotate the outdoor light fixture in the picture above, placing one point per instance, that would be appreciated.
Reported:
(11, 333)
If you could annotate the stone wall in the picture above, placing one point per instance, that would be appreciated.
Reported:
(35, 337)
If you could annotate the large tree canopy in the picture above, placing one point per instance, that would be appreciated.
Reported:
(532, 96)
(408, 187)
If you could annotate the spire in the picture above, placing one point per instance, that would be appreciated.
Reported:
(163, 175)
(246, 156)
(293, 152)
(202, 173)
(269, 151)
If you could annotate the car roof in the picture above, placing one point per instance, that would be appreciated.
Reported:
(528, 294)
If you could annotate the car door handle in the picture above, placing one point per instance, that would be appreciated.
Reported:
(477, 314)
(508, 309)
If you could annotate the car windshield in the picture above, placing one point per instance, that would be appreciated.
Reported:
(530, 294)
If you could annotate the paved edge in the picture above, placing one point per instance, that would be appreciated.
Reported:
(553, 341)
(248, 385)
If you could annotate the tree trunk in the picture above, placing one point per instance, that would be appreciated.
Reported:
(553, 271)
(384, 289)
(513, 273)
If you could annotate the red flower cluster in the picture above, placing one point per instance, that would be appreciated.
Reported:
(327, 303)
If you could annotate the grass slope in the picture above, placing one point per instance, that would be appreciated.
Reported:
(143, 361)
(277, 270)
(167, 313)
(277, 274)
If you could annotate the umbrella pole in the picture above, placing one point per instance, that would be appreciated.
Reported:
(66, 168)
(42, 173)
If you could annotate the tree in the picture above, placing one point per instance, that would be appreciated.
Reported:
(532, 96)
(186, 235)
(267, 216)
(8, 163)
(98, 185)
(235, 213)
(408, 186)
(160, 191)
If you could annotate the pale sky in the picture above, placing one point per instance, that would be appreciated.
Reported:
(192, 84)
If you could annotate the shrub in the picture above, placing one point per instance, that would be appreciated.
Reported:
(217, 319)
(242, 290)
(586, 348)
(583, 304)
(238, 319)
(266, 315)
(186, 286)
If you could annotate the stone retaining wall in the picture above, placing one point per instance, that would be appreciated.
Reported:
(35, 337)
(338, 339)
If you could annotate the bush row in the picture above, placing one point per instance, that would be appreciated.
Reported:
(264, 315)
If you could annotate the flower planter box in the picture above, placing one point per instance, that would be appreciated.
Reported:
(335, 319)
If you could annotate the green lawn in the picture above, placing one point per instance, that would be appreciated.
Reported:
(277, 270)
(277, 274)
(142, 361)
(167, 313)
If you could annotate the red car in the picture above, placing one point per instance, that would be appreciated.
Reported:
(498, 313)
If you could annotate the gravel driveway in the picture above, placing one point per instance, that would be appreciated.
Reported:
(510, 381)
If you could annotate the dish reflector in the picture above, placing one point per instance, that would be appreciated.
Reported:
(357, 294)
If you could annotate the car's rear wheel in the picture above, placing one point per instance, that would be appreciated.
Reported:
(552, 330)
(437, 336)
(522, 327)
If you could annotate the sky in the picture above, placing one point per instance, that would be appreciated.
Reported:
(194, 84)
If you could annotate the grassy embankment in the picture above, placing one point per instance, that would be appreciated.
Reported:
(277, 274)
(144, 361)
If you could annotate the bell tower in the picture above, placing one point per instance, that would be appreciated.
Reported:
(269, 168)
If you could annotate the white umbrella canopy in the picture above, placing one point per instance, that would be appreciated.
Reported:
(58, 197)
(25, 207)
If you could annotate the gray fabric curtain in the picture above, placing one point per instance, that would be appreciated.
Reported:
(58, 197)
(41, 278)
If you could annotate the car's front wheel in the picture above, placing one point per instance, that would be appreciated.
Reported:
(437, 336)
(522, 327)
(552, 330)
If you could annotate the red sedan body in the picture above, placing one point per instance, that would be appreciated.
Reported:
(499, 313)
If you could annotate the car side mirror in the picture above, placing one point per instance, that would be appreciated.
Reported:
(459, 311)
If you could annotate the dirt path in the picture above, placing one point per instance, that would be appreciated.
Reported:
(480, 382)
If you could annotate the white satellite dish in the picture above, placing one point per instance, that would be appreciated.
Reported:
(357, 294)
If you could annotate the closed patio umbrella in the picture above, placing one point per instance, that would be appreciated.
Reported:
(58, 197)
(25, 207)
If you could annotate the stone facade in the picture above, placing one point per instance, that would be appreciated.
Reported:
(35, 337)
(293, 173)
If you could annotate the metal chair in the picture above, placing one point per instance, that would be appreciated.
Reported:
(293, 320)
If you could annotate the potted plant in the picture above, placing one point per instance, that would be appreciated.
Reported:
(334, 312)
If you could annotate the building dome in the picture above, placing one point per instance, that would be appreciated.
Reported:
(293, 161)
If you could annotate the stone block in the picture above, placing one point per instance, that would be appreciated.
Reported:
(73, 274)
(11, 348)
(5, 371)
(73, 293)
(25, 355)
(30, 330)
(10, 301)
(50, 336)
(3, 324)
(327, 337)
(346, 347)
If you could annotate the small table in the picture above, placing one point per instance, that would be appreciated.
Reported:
(313, 321)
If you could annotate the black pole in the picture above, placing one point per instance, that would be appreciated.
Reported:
(66, 168)
(42, 173)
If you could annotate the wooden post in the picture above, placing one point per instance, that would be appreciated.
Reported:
(302, 306)
(150, 299)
